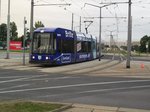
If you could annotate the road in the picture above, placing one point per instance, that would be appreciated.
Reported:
(13, 55)
(38, 83)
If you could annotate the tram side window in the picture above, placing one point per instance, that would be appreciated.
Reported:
(89, 46)
(84, 47)
(67, 46)
(59, 46)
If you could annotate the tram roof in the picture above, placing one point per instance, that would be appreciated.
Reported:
(49, 29)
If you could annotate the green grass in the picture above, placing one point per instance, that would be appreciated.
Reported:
(27, 107)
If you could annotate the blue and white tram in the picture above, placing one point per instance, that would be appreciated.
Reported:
(61, 46)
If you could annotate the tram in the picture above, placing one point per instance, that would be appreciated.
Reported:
(57, 46)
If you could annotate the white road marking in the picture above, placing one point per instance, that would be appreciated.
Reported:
(75, 85)
(20, 79)
(57, 78)
(9, 77)
(114, 89)
(98, 90)
(12, 87)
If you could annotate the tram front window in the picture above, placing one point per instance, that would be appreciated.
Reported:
(44, 43)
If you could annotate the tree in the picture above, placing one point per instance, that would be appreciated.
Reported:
(38, 24)
(135, 48)
(14, 33)
(3, 32)
(144, 40)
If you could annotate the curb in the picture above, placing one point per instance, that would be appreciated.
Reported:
(107, 108)
(62, 108)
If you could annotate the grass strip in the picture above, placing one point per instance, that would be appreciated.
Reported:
(27, 106)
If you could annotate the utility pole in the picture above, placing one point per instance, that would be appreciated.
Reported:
(100, 33)
(80, 25)
(72, 23)
(24, 39)
(31, 28)
(100, 23)
(129, 37)
(0, 10)
(8, 31)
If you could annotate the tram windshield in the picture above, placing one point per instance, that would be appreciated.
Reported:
(44, 43)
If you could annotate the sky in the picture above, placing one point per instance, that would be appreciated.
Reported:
(114, 17)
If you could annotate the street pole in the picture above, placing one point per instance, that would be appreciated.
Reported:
(31, 28)
(24, 38)
(100, 29)
(80, 25)
(72, 21)
(129, 37)
(0, 10)
(8, 30)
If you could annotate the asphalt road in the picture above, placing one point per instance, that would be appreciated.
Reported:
(94, 90)
(13, 55)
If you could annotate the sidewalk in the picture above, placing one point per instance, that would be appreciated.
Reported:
(93, 108)
(12, 62)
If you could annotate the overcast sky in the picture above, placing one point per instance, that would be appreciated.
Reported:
(60, 16)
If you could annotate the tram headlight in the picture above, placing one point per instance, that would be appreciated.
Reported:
(33, 57)
(47, 58)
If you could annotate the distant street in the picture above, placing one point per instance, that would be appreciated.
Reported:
(12, 55)
(106, 56)
(85, 83)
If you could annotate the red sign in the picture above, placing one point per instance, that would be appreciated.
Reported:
(15, 45)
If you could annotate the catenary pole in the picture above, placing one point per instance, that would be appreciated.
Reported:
(72, 23)
(24, 39)
(129, 37)
(80, 25)
(100, 24)
(31, 27)
(0, 10)
(100, 29)
(8, 31)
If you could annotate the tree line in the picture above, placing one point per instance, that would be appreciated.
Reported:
(143, 46)
(14, 33)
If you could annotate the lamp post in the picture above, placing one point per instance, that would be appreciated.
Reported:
(129, 37)
(72, 23)
(100, 23)
(0, 10)
(24, 39)
(8, 30)
(31, 27)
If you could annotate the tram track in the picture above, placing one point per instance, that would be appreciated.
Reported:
(74, 67)
(88, 67)
(96, 68)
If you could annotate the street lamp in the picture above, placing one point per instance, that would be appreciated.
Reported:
(0, 10)
(129, 36)
(31, 27)
(100, 22)
(8, 30)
